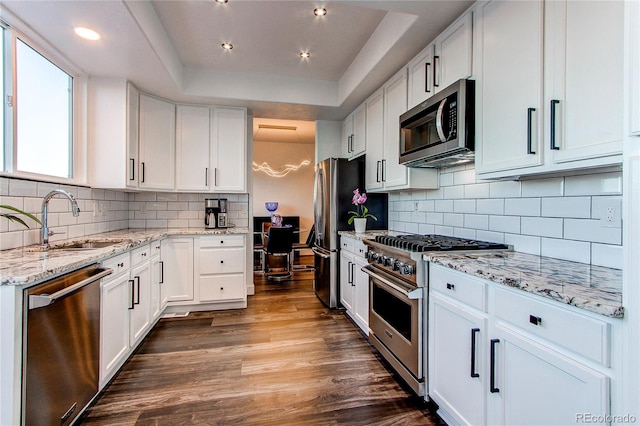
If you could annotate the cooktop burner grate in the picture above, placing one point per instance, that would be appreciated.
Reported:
(431, 242)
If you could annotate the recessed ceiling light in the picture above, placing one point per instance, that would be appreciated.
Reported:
(87, 33)
(227, 46)
(222, 1)
(305, 55)
(319, 11)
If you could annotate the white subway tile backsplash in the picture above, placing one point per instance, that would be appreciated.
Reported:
(446, 179)
(606, 255)
(464, 206)
(523, 243)
(4, 186)
(426, 228)
(464, 177)
(504, 189)
(419, 195)
(412, 227)
(598, 184)
(553, 187)
(494, 237)
(426, 206)
(573, 207)
(435, 218)
(476, 190)
(443, 205)
(541, 226)
(522, 206)
(469, 234)
(451, 192)
(453, 219)
(436, 194)
(591, 230)
(23, 188)
(576, 251)
(599, 205)
(490, 206)
(508, 224)
(476, 221)
(443, 230)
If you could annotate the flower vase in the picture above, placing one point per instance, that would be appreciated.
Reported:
(360, 224)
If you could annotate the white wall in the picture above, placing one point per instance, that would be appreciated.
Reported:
(294, 191)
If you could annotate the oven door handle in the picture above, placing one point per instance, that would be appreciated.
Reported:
(415, 294)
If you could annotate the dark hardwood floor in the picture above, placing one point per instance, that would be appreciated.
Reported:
(285, 360)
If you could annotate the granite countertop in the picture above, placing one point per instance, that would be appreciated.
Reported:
(26, 266)
(593, 288)
(368, 235)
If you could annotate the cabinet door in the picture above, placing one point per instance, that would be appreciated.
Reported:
(584, 76)
(536, 386)
(456, 360)
(157, 143)
(395, 104)
(374, 134)
(510, 86)
(633, 13)
(140, 310)
(421, 77)
(453, 53)
(156, 288)
(229, 149)
(192, 148)
(359, 142)
(361, 294)
(133, 117)
(347, 136)
(346, 280)
(115, 300)
(177, 257)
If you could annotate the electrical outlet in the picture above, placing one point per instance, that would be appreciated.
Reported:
(143, 207)
(96, 209)
(610, 217)
(415, 206)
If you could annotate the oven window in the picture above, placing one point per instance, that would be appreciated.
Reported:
(393, 310)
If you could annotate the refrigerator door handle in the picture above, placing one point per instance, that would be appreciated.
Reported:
(317, 251)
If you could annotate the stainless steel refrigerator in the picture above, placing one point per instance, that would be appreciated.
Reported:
(335, 180)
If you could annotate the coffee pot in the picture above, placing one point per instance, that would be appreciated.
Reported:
(215, 213)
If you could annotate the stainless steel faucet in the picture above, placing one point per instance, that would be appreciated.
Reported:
(44, 237)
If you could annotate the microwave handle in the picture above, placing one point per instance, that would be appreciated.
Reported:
(439, 123)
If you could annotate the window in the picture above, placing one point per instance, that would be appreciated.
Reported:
(38, 100)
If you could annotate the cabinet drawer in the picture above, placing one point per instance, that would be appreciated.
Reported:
(222, 241)
(580, 333)
(347, 244)
(458, 286)
(140, 254)
(221, 261)
(119, 263)
(155, 247)
(359, 249)
(225, 287)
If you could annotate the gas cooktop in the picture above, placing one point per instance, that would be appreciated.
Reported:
(432, 242)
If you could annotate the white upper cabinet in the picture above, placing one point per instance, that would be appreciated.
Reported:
(192, 148)
(509, 98)
(113, 134)
(544, 75)
(157, 143)
(354, 133)
(453, 53)
(633, 23)
(374, 134)
(383, 171)
(229, 149)
(443, 62)
(421, 77)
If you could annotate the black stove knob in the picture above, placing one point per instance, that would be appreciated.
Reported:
(389, 261)
(406, 269)
(382, 259)
(372, 256)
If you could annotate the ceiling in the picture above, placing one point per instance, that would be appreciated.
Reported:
(173, 48)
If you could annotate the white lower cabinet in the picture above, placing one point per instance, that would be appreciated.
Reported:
(158, 289)
(502, 357)
(126, 308)
(177, 258)
(221, 268)
(354, 284)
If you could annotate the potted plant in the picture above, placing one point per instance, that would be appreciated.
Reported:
(360, 215)
(13, 218)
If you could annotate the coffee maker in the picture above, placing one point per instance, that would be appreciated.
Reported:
(215, 213)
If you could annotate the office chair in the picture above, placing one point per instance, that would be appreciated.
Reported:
(277, 252)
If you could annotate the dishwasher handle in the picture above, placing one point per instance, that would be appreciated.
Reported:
(41, 300)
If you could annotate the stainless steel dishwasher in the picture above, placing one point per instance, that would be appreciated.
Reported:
(61, 346)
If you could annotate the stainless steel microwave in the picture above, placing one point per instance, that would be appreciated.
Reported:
(440, 131)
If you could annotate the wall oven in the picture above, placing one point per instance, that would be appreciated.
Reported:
(398, 296)
(440, 131)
